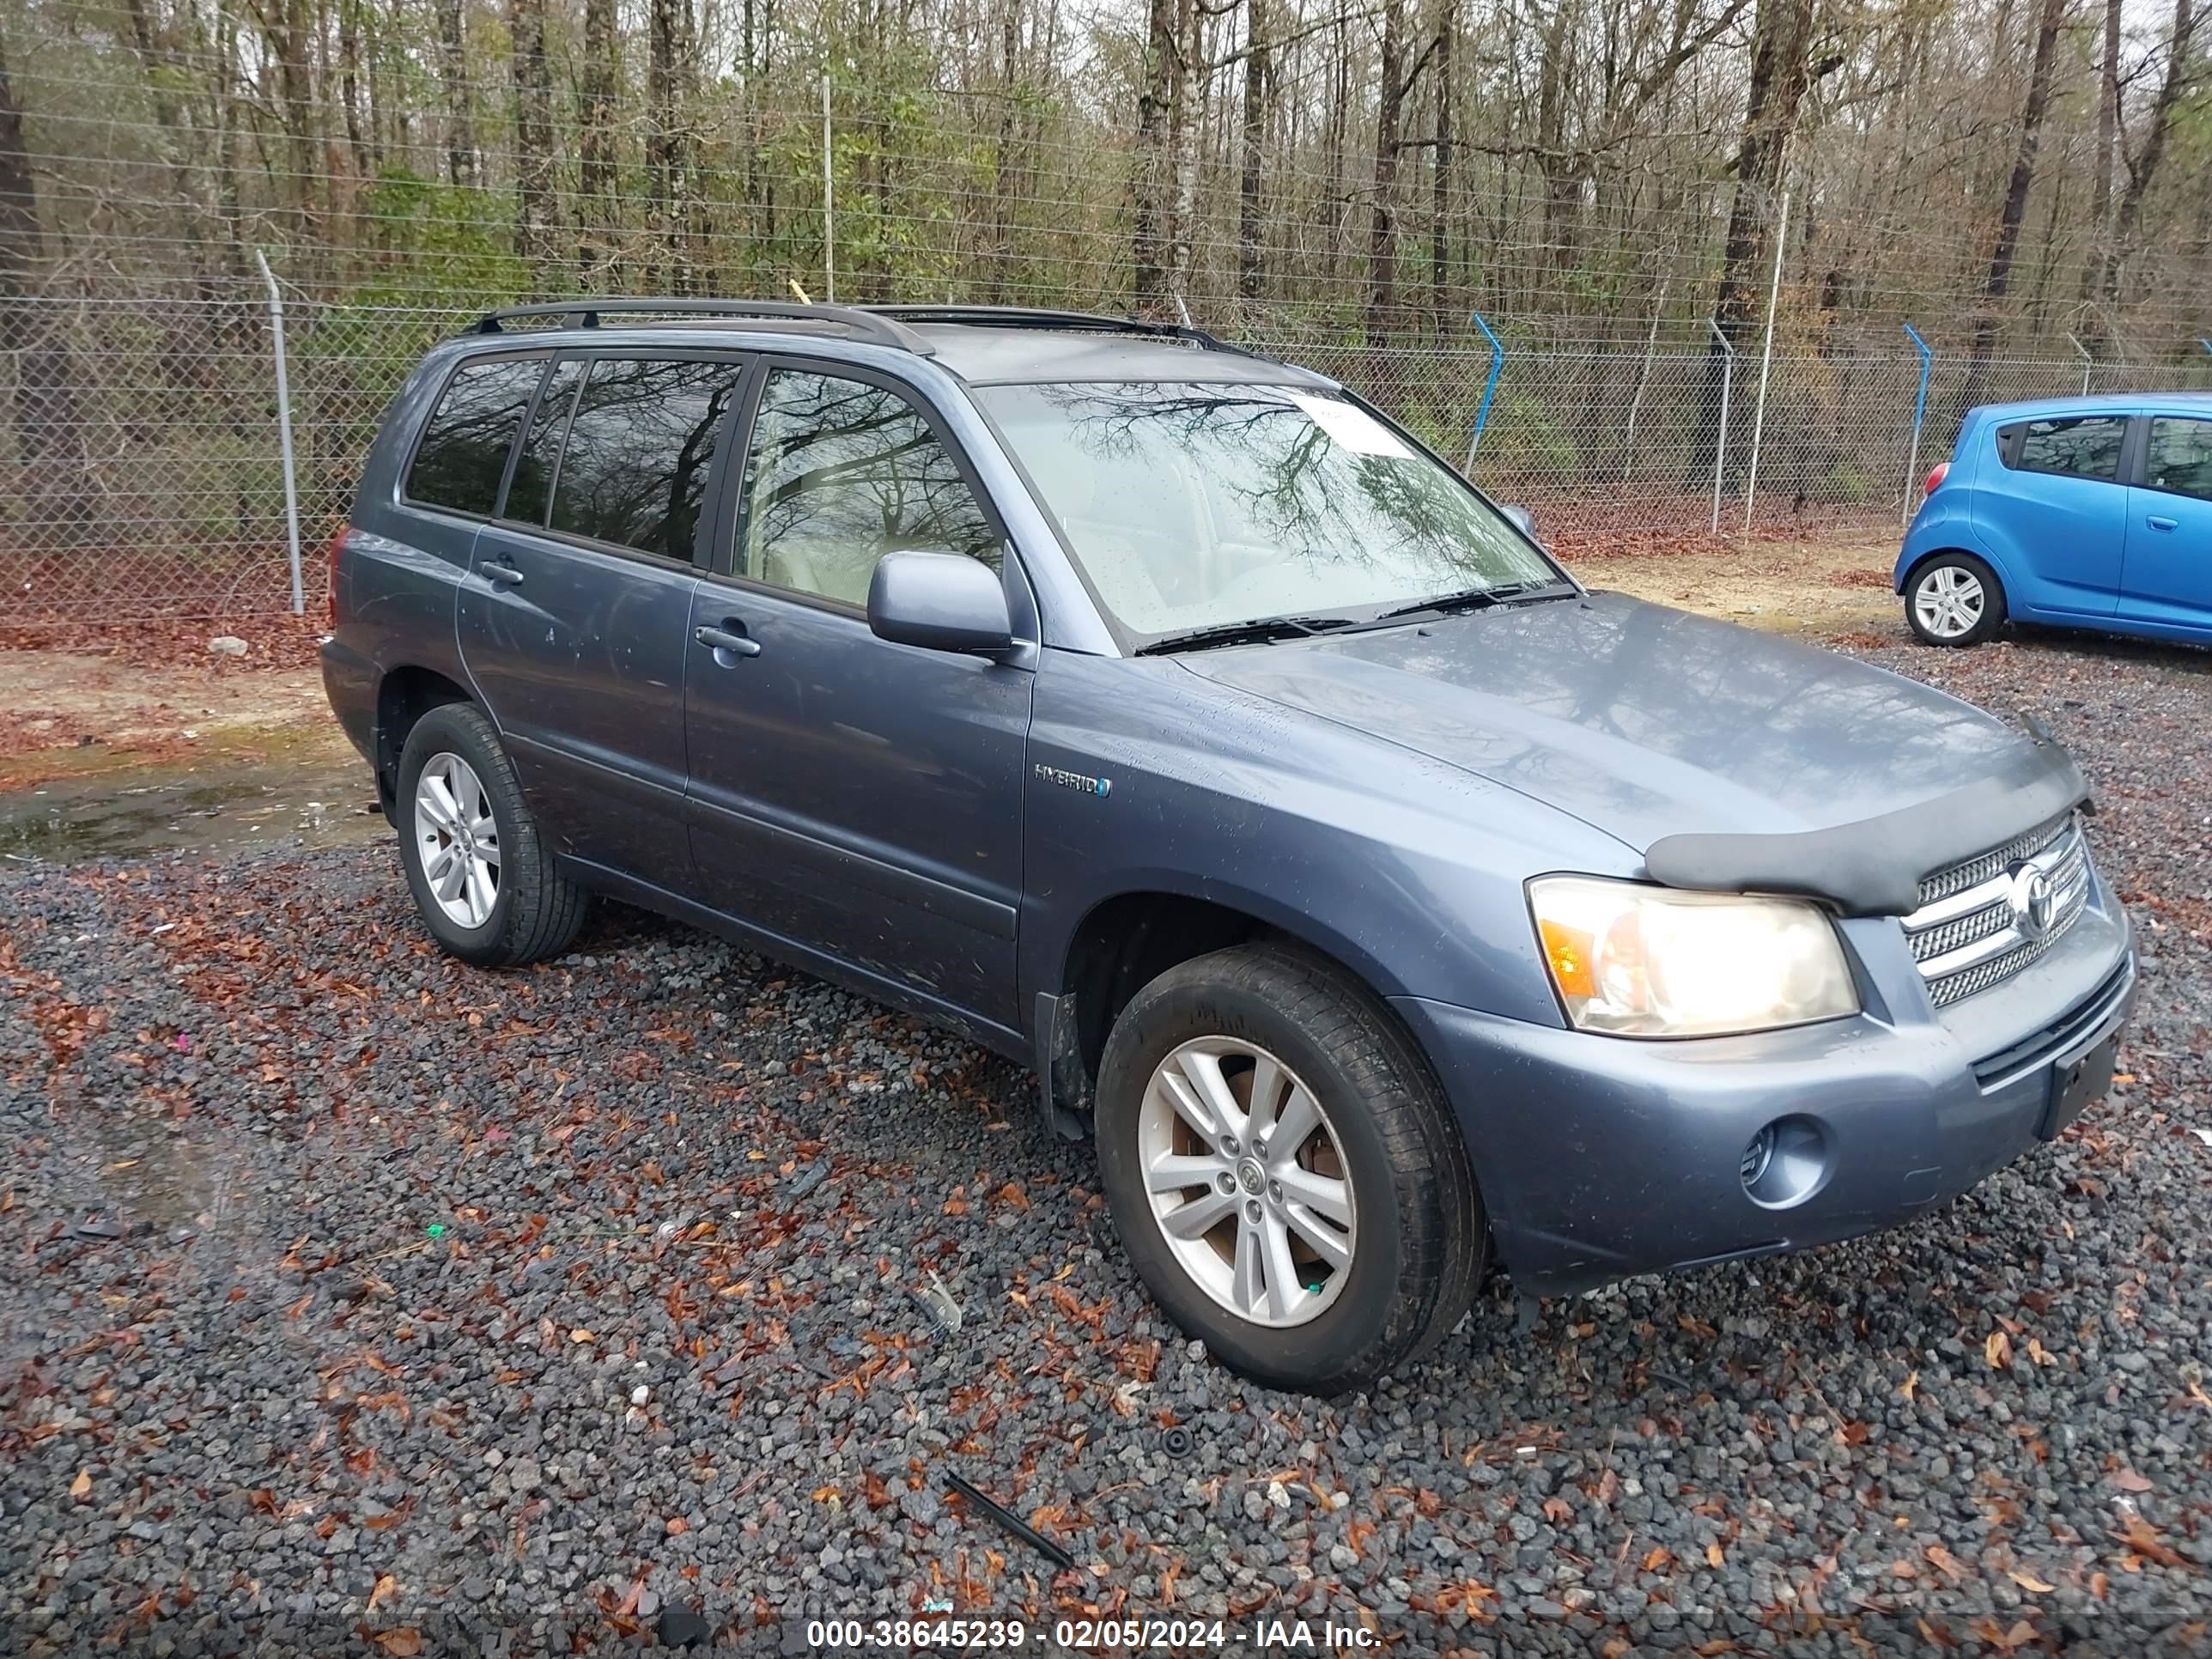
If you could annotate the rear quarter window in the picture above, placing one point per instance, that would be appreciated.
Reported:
(462, 454)
(2073, 445)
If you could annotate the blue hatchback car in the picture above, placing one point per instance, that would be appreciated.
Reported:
(2073, 511)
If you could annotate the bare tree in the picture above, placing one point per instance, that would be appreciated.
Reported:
(2142, 166)
(49, 452)
(598, 211)
(2052, 19)
(535, 207)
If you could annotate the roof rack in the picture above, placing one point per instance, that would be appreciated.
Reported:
(876, 326)
(1024, 317)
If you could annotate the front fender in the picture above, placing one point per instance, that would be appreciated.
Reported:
(1408, 871)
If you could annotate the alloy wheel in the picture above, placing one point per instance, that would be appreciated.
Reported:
(1949, 602)
(1248, 1180)
(458, 839)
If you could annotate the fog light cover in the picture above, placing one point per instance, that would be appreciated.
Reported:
(1786, 1163)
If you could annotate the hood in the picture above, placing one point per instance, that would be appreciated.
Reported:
(1642, 721)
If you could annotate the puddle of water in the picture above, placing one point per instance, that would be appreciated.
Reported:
(133, 812)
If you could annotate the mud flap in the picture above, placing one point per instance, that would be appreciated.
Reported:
(1064, 1083)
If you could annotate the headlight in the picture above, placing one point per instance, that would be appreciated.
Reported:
(1638, 961)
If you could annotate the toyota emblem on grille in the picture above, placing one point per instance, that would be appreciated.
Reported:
(2034, 901)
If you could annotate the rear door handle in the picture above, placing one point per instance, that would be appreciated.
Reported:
(505, 574)
(2157, 523)
(722, 639)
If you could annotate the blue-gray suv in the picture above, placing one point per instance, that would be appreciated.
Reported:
(1388, 905)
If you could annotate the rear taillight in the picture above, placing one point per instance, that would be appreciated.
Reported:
(337, 547)
(1943, 470)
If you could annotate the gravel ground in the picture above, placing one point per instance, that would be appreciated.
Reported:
(361, 1302)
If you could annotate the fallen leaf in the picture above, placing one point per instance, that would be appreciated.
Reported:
(2139, 1537)
(2128, 1480)
(1911, 1381)
(1997, 1351)
(1946, 1563)
(580, 1334)
(387, 1589)
(80, 1488)
(2028, 1581)
(1713, 1556)
(677, 1524)
(1658, 1559)
(400, 1644)
(1558, 1511)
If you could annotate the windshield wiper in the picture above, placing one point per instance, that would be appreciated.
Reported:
(1257, 631)
(1480, 599)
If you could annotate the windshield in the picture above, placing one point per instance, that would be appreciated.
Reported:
(1197, 506)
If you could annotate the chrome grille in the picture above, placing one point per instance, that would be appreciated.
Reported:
(1970, 934)
(1975, 871)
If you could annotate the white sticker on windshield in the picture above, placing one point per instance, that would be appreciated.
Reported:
(1352, 427)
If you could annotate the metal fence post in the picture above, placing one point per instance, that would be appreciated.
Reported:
(829, 203)
(2089, 361)
(1728, 384)
(284, 429)
(1765, 363)
(1489, 387)
(1919, 414)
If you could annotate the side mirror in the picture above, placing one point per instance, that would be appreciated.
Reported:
(1522, 520)
(939, 602)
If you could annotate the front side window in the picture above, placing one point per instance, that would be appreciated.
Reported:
(2078, 446)
(842, 472)
(1199, 506)
(463, 452)
(2179, 458)
(641, 444)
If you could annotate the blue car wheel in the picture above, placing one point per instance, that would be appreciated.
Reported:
(1954, 598)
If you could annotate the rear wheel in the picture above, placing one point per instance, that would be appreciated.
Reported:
(1284, 1172)
(1954, 598)
(483, 877)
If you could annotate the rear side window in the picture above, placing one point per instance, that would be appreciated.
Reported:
(2179, 457)
(463, 452)
(531, 487)
(2076, 446)
(639, 446)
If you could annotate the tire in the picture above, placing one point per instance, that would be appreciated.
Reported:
(1971, 583)
(1419, 1237)
(534, 910)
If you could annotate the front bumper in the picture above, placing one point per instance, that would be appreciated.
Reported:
(1598, 1157)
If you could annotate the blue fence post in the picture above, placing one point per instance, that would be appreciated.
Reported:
(1489, 389)
(1919, 414)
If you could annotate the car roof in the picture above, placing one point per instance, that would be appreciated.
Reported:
(2107, 403)
(982, 346)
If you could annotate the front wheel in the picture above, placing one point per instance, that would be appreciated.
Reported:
(483, 877)
(1955, 599)
(1283, 1171)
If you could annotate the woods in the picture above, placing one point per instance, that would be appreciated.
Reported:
(1367, 172)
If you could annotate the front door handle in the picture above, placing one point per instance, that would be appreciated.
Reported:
(2157, 523)
(722, 639)
(506, 575)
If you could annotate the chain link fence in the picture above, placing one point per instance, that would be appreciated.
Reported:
(145, 474)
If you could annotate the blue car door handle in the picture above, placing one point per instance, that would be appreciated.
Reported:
(728, 638)
(2157, 523)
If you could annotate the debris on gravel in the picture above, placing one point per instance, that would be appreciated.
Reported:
(361, 1302)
